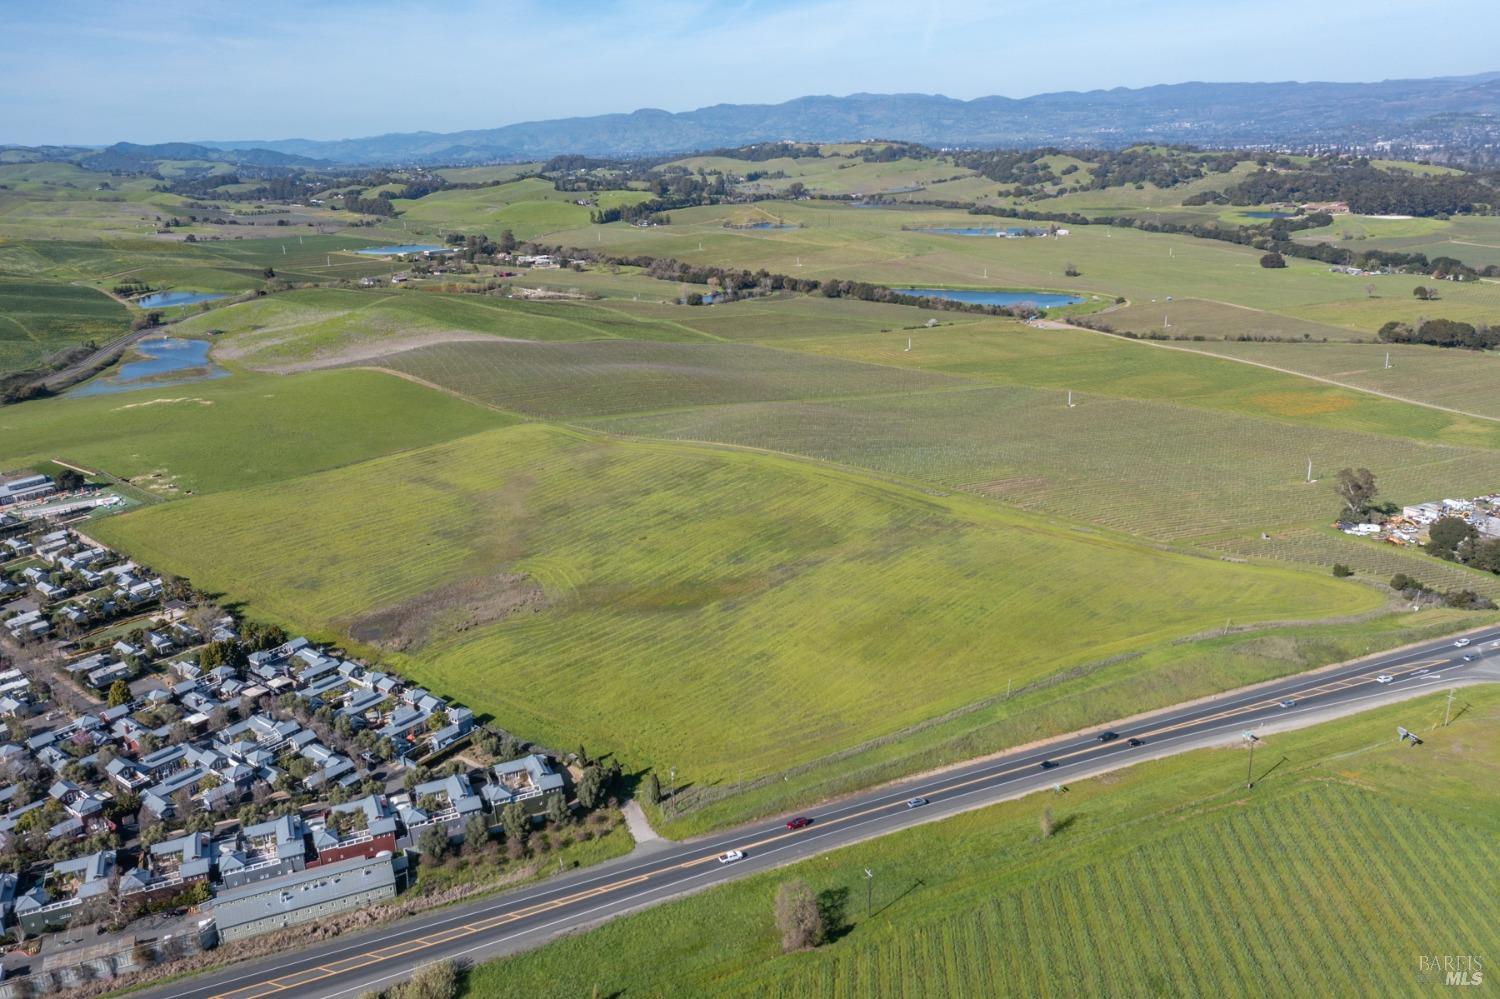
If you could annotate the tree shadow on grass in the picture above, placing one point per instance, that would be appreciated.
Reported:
(833, 905)
(1063, 823)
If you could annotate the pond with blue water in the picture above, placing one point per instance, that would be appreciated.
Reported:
(1041, 299)
(164, 361)
(402, 249)
(1268, 215)
(169, 299)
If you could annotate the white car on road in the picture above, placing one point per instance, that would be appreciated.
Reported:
(1462, 643)
(1384, 678)
(731, 856)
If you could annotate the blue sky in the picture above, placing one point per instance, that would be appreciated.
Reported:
(79, 71)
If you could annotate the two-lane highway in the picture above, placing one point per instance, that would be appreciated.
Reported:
(517, 920)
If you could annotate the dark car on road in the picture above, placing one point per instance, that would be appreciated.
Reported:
(1136, 742)
(1049, 764)
(800, 822)
(1108, 736)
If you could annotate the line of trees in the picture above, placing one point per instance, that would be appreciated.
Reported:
(1442, 333)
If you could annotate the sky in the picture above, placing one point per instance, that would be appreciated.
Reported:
(86, 72)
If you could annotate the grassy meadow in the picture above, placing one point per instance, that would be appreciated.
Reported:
(883, 245)
(530, 208)
(325, 326)
(39, 318)
(1007, 351)
(234, 432)
(1151, 468)
(675, 586)
(1458, 379)
(1164, 879)
(600, 377)
(769, 513)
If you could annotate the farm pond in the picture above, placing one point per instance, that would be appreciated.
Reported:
(168, 299)
(402, 249)
(165, 361)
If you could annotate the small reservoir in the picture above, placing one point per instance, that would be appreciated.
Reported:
(169, 299)
(1041, 299)
(402, 249)
(164, 361)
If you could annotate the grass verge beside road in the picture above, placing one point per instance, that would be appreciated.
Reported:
(1164, 878)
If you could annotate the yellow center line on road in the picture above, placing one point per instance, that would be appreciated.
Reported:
(355, 962)
(252, 991)
(453, 933)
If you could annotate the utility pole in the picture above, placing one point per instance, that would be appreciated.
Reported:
(672, 786)
(869, 891)
(1448, 711)
(1250, 740)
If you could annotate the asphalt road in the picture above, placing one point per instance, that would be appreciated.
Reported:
(527, 917)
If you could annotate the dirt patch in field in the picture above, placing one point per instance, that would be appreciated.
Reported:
(450, 609)
(164, 402)
(375, 350)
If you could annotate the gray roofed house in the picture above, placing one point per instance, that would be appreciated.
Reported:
(266, 850)
(184, 859)
(25, 487)
(303, 896)
(455, 797)
(520, 780)
(66, 886)
(157, 799)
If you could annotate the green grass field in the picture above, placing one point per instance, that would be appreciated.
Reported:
(1473, 239)
(871, 244)
(678, 582)
(595, 378)
(38, 318)
(1165, 879)
(1218, 321)
(1001, 350)
(1459, 379)
(1371, 559)
(1151, 468)
(323, 327)
(235, 431)
(529, 208)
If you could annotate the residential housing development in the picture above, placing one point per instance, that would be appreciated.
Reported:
(199, 729)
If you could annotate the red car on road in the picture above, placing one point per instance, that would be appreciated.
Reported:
(800, 822)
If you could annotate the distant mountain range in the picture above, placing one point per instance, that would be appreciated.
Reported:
(1445, 112)
(129, 157)
(1449, 113)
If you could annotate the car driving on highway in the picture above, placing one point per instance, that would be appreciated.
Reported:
(730, 856)
(1462, 643)
(1107, 736)
(1288, 703)
(1048, 764)
(800, 822)
(1384, 678)
(915, 802)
